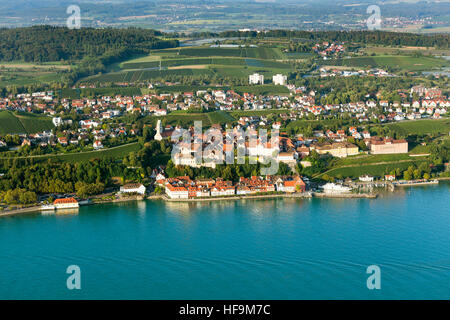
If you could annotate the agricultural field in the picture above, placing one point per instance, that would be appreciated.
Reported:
(298, 55)
(386, 50)
(407, 63)
(15, 123)
(234, 63)
(373, 159)
(428, 126)
(92, 92)
(168, 64)
(116, 153)
(21, 73)
(220, 117)
(376, 170)
(143, 75)
(259, 53)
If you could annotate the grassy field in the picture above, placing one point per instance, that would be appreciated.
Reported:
(15, 123)
(117, 152)
(142, 75)
(377, 170)
(189, 62)
(21, 73)
(259, 53)
(298, 55)
(220, 117)
(368, 159)
(408, 63)
(220, 71)
(408, 50)
(92, 92)
(428, 126)
(235, 63)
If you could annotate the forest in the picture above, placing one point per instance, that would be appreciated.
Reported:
(89, 50)
(48, 43)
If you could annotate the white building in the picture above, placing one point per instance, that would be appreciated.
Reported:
(366, 178)
(68, 203)
(279, 80)
(57, 121)
(256, 79)
(176, 192)
(133, 188)
(287, 157)
(98, 145)
(223, 191)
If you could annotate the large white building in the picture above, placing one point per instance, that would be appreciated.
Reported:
(256, 79)
(279, 80)
(177, 192)
(133, 188)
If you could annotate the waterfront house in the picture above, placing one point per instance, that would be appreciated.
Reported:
(133, 188)
(67, 203)
(177, 192)
(366, 178)
(389, 177)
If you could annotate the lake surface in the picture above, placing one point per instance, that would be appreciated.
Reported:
(252, 249)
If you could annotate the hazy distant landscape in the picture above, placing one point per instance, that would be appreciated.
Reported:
(218, 15)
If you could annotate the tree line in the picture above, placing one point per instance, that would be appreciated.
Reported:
(364, 37)
(84, 178)
(50, 43)
(89, 50)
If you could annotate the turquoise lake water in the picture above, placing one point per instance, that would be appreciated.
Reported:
(252, 249)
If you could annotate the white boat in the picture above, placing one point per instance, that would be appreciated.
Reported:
(335, 188)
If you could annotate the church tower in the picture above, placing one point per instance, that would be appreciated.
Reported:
(158, 135)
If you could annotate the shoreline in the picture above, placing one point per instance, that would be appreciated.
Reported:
(305, 195)
(20, 211)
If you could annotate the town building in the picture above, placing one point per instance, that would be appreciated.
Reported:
(379, 145)
(337, 149)
(133, 188)
(175, 192)
(256, 79)
(389, 177)
(366, 178)
(279, 80)
(67, 203)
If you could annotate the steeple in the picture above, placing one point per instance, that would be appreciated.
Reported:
(158, 135)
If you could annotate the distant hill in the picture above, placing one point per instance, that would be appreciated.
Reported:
(49, 43)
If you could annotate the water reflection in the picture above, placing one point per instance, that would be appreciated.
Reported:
(61, 212)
